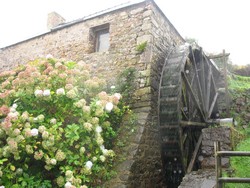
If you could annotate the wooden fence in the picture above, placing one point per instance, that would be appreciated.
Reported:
(218, 154)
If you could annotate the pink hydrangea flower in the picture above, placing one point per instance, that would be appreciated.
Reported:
(4, 110)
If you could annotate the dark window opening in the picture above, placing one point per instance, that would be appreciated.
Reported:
(100, 38)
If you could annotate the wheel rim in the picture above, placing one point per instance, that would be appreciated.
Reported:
(187, 101)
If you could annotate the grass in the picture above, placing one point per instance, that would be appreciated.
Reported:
(241, 165)
(239, 85)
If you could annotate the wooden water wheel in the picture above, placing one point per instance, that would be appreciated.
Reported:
(187, 102)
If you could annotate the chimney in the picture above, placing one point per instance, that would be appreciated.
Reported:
(54, 19)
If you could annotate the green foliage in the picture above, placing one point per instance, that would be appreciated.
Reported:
(239, 83)
(239, 87)
(140, 48)
(126, 83)
(57, 126)
(241, 165)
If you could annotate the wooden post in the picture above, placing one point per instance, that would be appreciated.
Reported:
(218, 168)
(217, 164)
(226, 83)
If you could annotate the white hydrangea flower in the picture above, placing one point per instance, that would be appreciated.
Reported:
(68, 185)
(41, 128)
(102, 158)
(82, 150)
(40, 117)
(88, 126)
(109, 106)
(84, 186)
(53, 161)
(72, 93)
(98, 129)
(14, 105)
(12, 109)
(102, 147)
(58, 64)
(49, 56)
(118, 96)
(34, 132)
(38, 93)
(68, 173)
(60, 91)
(53, 121)
(13, 115)
(46, 93)
(98, 103)
(94, 159)
(88, 165)
(99, 140)
(105, 152)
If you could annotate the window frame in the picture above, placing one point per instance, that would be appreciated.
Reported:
(95, 34)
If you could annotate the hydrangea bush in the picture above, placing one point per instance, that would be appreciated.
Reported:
(57, 126)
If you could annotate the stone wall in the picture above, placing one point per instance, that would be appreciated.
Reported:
(220, 134)
(128, 26)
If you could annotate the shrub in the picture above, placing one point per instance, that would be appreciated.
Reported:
(57, 126)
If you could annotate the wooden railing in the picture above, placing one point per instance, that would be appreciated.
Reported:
(218, 154)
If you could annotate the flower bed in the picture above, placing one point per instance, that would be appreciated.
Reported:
(57, 126)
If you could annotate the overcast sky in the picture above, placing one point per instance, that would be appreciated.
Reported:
(216, 24)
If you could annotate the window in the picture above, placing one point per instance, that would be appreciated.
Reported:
(102, 40)
(99, 38)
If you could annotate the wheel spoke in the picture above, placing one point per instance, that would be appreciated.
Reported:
(200, 93)
(208, 87)
(192, 94)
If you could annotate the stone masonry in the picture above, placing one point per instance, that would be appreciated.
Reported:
(129, 26)
(220, 134)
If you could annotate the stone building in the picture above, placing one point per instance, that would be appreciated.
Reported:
(108, 41)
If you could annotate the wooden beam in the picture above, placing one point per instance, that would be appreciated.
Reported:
(192, 94)
(191, 124)
(226, 84)
(217, 164)
(191, 164)
(234, 180)
(233, 153)
(208, 88)
(197, 78)
(218, 56)
(203, 84)
(213, 104)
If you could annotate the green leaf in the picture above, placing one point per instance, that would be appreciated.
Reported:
(3, 160)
